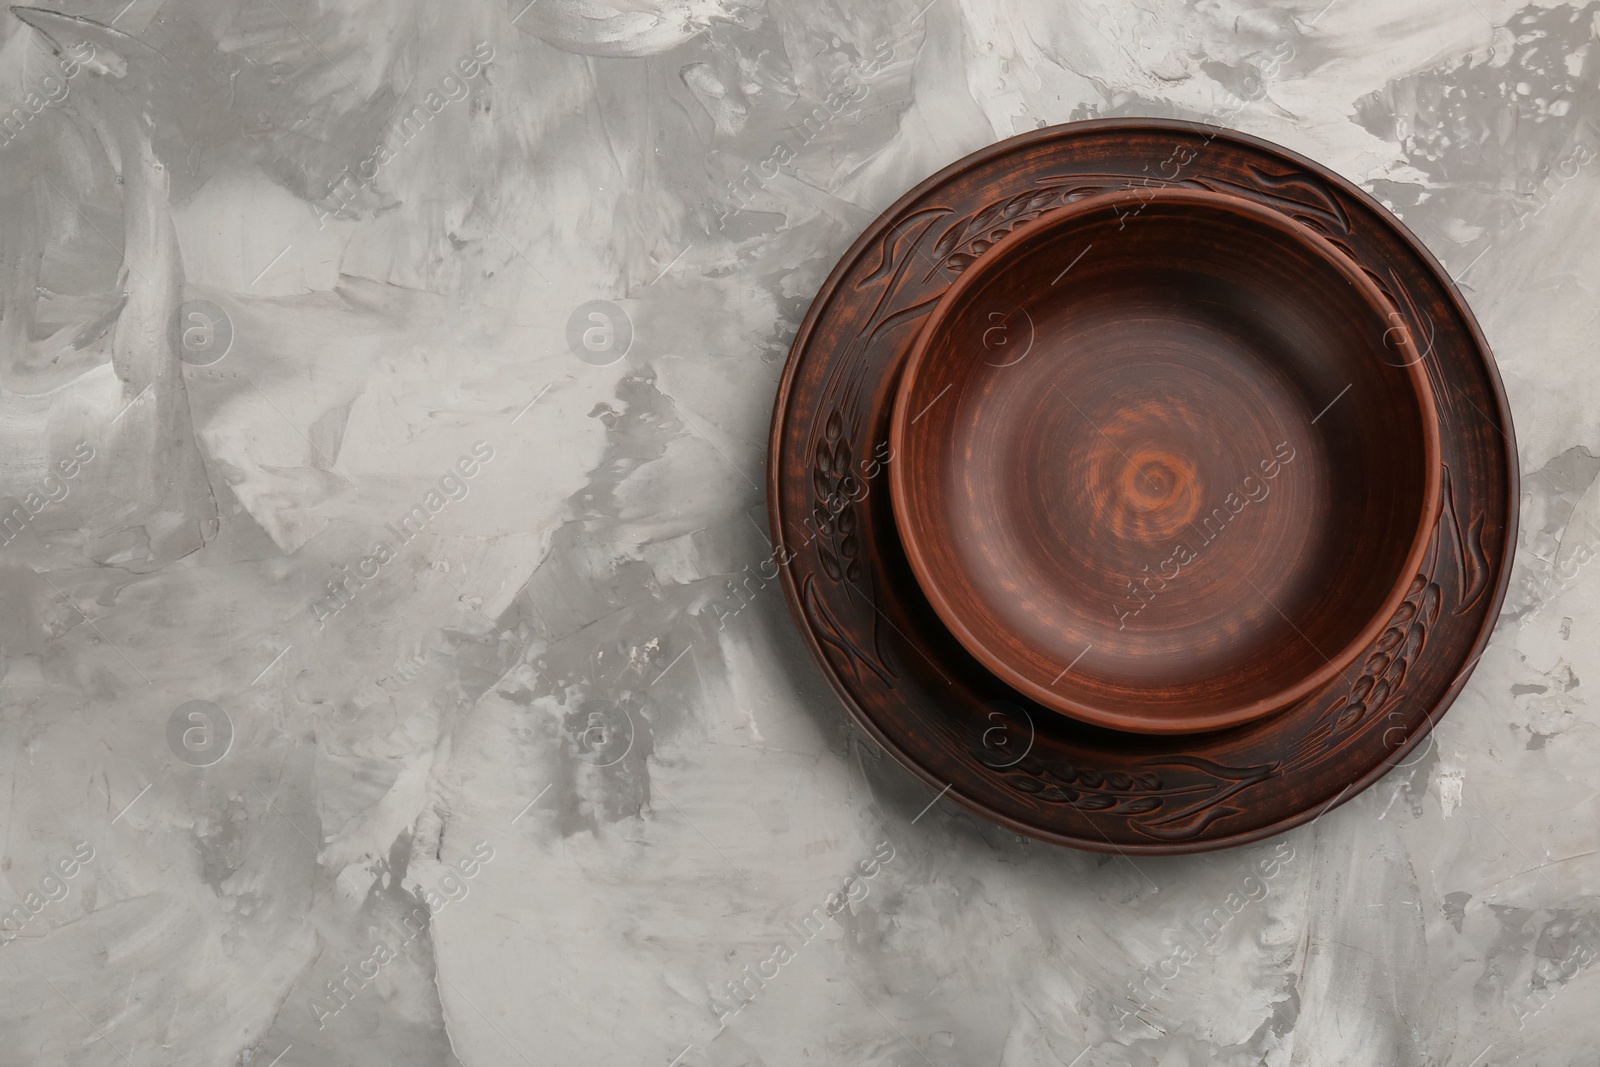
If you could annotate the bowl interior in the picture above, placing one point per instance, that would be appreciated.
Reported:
(1164, 462)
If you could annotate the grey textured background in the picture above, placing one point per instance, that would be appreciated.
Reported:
(278, 268)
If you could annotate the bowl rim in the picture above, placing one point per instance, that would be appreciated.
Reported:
(994, 259)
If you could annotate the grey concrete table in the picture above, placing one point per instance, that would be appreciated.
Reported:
(389, 677)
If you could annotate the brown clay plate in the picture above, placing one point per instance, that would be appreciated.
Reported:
(1163, 461)
(917, 690)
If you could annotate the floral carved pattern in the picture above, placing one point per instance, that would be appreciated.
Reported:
(964, 240)
(1389, 660)
(968, 238)
(833, 506)
(834, 533)
(831, 633)
(1167, 807)
(1383, 672)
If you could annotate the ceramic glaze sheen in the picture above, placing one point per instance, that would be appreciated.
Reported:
(1166, 465)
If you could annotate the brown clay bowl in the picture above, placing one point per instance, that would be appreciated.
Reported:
(1164, 461)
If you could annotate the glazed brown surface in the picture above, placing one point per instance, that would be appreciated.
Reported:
(915, 689)
(1163, 462)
